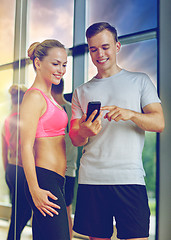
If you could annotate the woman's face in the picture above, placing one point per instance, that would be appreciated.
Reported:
(53, 66)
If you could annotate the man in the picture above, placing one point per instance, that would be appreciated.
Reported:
(111, 174)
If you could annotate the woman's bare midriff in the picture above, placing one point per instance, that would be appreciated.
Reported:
(50, 154)
(15, 161)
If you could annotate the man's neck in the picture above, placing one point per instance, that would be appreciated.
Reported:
(106, 74)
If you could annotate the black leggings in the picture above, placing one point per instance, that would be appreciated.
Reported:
(23, 213)
(50, 228)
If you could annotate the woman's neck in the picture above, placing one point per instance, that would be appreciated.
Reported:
(42, 85)
(59, 98)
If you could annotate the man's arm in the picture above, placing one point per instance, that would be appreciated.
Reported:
(81, 130)
(151, 119)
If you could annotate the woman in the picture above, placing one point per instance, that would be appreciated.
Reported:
(42, 130)
(11, 155)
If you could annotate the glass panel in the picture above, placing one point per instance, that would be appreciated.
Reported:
(68, 76)
(7, 14)
(127, 16)
(30, 76)
(140, 57)
(5, 107)
(51, 19)
(7, 23)
(6, 79)
(149, 161)
(10, 156)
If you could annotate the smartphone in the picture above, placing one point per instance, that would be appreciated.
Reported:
(94, 105)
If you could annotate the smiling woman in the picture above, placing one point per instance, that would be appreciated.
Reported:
(43, 145)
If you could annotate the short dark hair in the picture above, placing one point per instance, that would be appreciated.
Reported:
(58, 88)
(99, 27)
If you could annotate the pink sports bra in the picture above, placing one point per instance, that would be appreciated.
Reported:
(53, 122)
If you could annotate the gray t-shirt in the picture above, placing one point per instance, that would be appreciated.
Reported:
(114, 156)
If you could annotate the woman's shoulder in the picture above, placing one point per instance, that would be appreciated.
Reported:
(33, 101)
(33, 94)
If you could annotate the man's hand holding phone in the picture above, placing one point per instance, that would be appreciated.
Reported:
(92, 106)
(85, 127)
(90, 123)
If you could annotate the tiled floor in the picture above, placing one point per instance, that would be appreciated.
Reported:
(26, 234)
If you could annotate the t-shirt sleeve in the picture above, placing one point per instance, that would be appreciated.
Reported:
(76, 108)
(148, 92)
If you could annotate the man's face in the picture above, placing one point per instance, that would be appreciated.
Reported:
(103, 49)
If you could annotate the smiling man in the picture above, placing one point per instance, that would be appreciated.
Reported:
(111, 174)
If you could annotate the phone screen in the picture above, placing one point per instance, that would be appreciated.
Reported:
(94, 105)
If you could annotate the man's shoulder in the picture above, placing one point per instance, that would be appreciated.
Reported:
(85, 85)
(133, 73)
(138, 77)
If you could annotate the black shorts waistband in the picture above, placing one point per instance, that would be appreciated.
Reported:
(50, 175)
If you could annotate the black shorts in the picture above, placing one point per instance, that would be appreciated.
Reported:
(98, 204)
(69, 189)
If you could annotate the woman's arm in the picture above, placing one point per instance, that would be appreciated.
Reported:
(33, 106)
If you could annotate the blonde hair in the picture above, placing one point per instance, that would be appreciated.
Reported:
(16, 90)
(40, 50)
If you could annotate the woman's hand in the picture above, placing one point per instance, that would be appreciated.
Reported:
(41, 200)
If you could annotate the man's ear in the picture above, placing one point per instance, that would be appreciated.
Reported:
(118, 46)
(37, 63)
